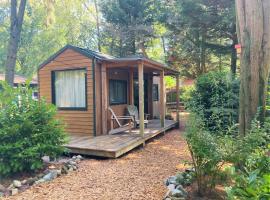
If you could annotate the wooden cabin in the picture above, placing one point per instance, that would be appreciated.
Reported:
(83, 84)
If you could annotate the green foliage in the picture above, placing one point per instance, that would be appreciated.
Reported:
(186, 92)
(207, 154)
(253, 181)
(215, 98)
(28, 131)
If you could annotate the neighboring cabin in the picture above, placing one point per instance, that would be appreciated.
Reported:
(84, 83)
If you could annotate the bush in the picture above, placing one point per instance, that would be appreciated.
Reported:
(253, 181)
(207, 156)
(215, 98)
(28, 131)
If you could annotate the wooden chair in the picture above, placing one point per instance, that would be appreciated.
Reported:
(133, 111)
(121, 127)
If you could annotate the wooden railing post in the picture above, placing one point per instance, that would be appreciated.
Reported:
(162, 99)
(104, 97)
(141, 98)
(177, 100)
(131, 87)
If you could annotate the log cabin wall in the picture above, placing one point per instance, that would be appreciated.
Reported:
(78, 122)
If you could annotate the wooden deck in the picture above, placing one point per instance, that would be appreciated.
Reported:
(113, 146)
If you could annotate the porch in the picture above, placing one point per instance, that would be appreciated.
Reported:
(113, 146)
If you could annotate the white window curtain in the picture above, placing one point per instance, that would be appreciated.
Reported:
(70, 89)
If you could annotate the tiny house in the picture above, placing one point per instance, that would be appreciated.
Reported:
(83, 84)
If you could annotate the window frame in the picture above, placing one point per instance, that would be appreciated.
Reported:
(155, 87)
(126, 85)
(85, 108)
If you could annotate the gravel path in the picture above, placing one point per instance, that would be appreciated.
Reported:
(138, 175)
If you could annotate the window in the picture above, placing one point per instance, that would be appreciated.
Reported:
(155, 92)
(69, 89)
(118, 92)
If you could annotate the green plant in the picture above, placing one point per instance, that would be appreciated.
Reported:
(206, 153)
(215, 98)
(186, 92)
(28, 131)
(253, 181)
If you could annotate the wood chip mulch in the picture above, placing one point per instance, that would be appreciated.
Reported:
(139, 175)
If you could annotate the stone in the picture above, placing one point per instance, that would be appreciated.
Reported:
(50, 176)
(59, 172)
(31, 181)
(2, 188)
(24, 181)
(64, 170)
(74, 157)
(1, 194)
(171, 180)
(171, 187)
(189, 170)
(14, 191)
(70, 162)
(46, 159)
(184, 192)
(39, 181)
(179, 192)
(70, 169)
(79, 157)
(17, 184)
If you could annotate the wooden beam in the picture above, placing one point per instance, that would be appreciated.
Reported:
(141, 98)
(162, 99)
(150, 94)
(131, 87)
(104, 97)
(177, 100)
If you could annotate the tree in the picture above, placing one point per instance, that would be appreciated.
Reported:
(201, 35)
(16, 20)
(253, 24)
(129, 23)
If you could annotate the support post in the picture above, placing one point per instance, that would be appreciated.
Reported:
(141, 98)
(162, 99)
(177, 100)
(131, 87)
(104, 97)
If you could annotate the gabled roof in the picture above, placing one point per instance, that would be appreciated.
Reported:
(105, 57)
(86, 52)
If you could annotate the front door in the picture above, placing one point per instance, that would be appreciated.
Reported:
(136, 94)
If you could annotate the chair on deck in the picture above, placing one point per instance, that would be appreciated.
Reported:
(133, 111)
(121, 127)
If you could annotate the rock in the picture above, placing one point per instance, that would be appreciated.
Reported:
(64, 170)
(46, 159)
(31, 181)
(40, 175)
(74, 157)
(17, 184)
(184, 192)
(70, 162)
(59, 172)
(1, 194)
(39, 181)
(171, 187)
(24, 181)
(189, 170)
(79, 157)
(70, 169)
(50, 176)
(14, 191)
(75, 168)
(171, 180)
(2, 188)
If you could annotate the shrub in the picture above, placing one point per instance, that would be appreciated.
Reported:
(28, 131)
(215, 97)
(207, 156)
(253, 181)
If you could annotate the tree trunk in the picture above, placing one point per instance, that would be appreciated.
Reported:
(16, 20)
(253, 27)
(97, 24)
